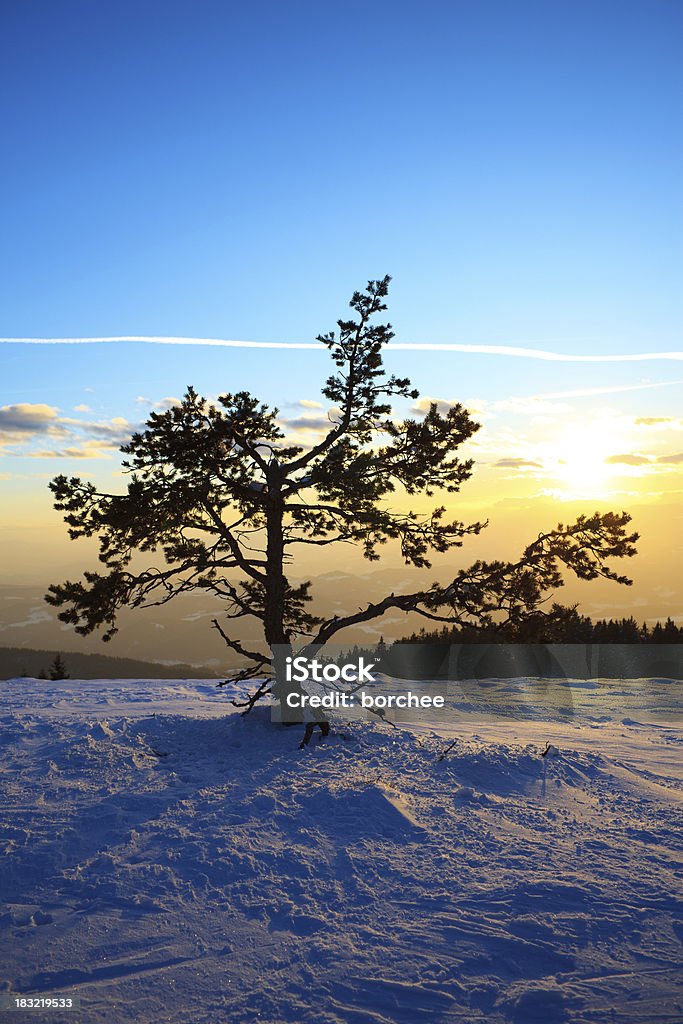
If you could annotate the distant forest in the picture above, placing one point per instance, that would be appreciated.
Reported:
(608, 648)
(562, 625)
(16, 662)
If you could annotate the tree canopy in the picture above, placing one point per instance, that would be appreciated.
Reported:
(221, 497)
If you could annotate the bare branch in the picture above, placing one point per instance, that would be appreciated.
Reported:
(235, 645)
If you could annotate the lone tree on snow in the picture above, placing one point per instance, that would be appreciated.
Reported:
(57, 669)
(222, 495)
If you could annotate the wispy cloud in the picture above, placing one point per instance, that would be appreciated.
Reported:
(315, 423)
(309, 427)
(514, 351)
(627, 460)
(542, 404)
(515, 463)
(660, 422)
(672, 459)
(88, 450)
(618, 390)
(162, 405)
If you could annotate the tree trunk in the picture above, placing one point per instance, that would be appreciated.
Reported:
(274, 618)
(276, 583)
(276, 589)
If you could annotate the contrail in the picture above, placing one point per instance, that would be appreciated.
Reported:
(537, 353)
(162, 340)
(588, 392)
(486, 350)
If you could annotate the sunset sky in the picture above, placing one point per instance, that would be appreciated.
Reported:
(234, 171)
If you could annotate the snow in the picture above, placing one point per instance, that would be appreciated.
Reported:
(168, 861)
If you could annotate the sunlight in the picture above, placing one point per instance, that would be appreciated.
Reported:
(576, 459)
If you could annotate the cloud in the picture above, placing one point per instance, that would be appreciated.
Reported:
(36, 614)
(547, 402)
(532, 405)
(485, 409)
(422, 405)
(117, 428)
(666, 422)
(479, 409)
(514, 463)
(88, 450)
(509, 351)
(672, 459)
(306, 403)
(308, 429)
(82, 408)
(162, 405)
(541, 405)
(22, 424)
(628, 460)
(31, 418)
(115, 432)
(618, 390)
(316, 423)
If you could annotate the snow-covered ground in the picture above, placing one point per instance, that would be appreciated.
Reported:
(166, 861)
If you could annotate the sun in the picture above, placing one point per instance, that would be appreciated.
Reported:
(576, 459)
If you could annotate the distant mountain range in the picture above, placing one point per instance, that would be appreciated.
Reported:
(22, 661)
(180, 632)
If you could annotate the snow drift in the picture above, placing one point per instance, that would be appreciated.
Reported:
(168, 861)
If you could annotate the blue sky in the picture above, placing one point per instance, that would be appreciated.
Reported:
(230, 170)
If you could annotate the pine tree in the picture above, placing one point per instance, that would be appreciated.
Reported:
(224, 499)
(58, 668)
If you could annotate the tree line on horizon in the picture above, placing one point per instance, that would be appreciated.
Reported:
(562, 625)
(429, 654)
